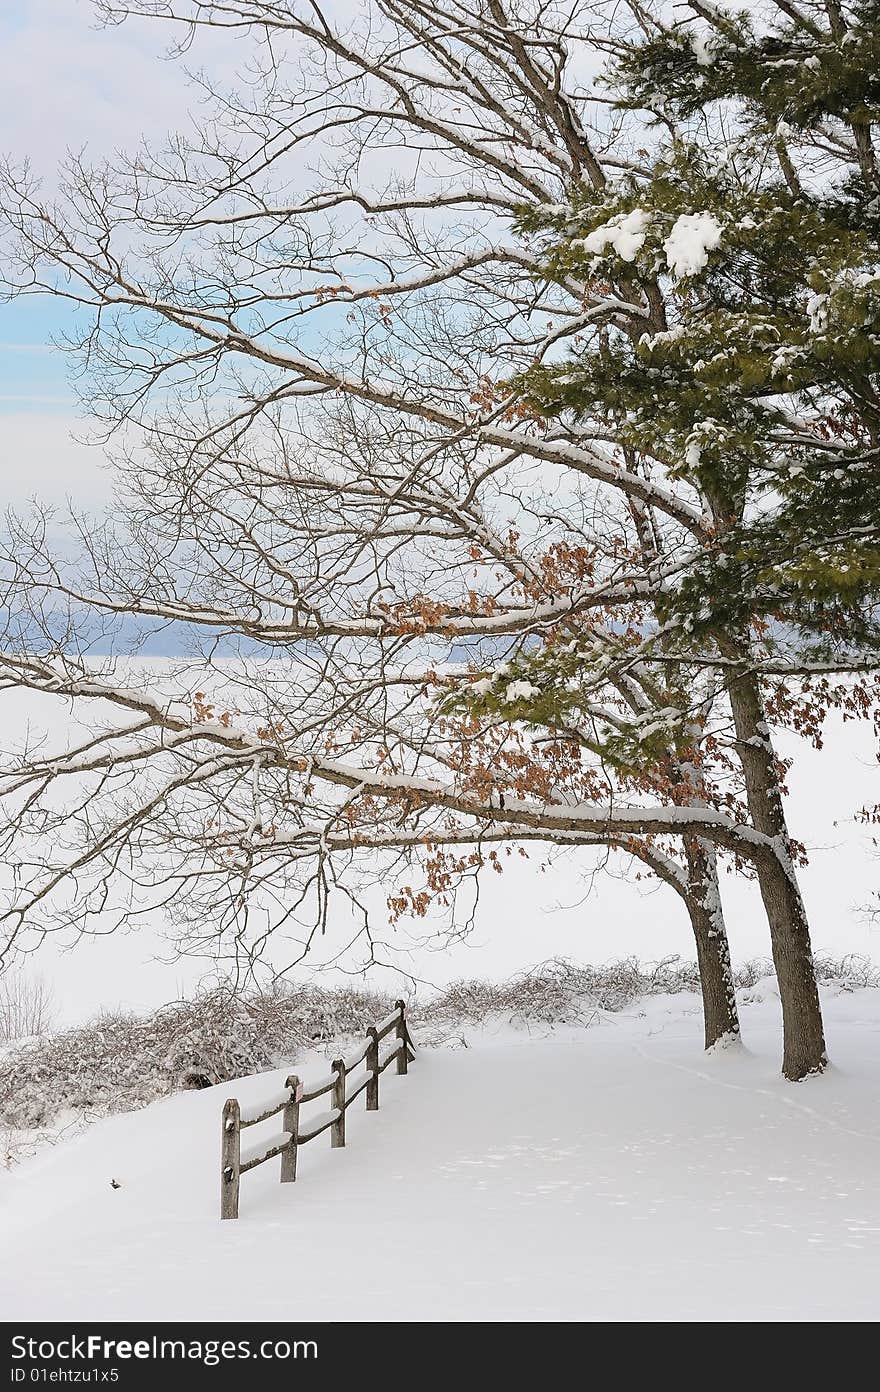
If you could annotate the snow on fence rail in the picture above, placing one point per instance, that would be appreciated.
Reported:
(235, 1161)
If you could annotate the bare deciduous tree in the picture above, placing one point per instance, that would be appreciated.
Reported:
(300, 325)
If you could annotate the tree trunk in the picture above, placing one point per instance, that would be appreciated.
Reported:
(803, 1035)
(701, 895)
(720, 1018)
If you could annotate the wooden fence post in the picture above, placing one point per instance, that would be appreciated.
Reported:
(290, 1122)
(337, 1130)
(230, 1159)
(373, 1070)
(402, 1053)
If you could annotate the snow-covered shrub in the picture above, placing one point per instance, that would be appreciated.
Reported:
(219, 1035)
(119, 1062)
(850, 973)
(559, 992)
(225, 1034)
(111, 1064)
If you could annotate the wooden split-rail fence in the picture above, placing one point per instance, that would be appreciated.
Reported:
(235, 1162)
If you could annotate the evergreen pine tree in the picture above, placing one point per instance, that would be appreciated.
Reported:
(757, 216)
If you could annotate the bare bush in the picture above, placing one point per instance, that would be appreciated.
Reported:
(26, 1006)
(850, 972)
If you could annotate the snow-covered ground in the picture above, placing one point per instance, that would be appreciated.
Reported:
(611, 1173)
(605, 1173)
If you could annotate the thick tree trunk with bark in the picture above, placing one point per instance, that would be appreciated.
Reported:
(720, 1018)
(702, 899)
(803, 1034)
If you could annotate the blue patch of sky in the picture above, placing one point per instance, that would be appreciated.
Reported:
(101, 635)
(35, 377)
(13, 18)
(34, 374)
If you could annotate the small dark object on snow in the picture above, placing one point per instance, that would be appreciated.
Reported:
(114, 1184)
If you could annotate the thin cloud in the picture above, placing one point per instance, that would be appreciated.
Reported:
(35, 400)
(26, 348)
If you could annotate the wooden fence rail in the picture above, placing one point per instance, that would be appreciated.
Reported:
(235, 1161)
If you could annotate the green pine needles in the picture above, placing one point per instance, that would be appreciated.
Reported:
(751, 233)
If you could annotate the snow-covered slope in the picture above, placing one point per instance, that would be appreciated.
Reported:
(611, 1173)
